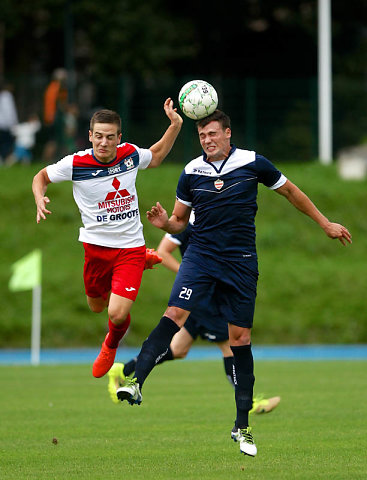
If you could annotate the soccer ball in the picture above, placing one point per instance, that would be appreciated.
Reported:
(197, 99)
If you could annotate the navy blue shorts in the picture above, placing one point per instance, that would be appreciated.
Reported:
(211, 329)
(206, 321)
(231, 284)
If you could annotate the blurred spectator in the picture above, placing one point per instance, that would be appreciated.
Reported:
(55, 101)
(8, 118)
(25, 140)
(69, 143)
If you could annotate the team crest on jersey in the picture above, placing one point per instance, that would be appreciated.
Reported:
(218, 183)
(129, 162)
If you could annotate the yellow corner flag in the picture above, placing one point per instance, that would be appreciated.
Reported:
(26, 272)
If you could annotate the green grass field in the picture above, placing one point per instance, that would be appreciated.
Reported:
(181, 430)
(311, 289)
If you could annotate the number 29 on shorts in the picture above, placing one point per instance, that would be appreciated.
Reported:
(185, 293)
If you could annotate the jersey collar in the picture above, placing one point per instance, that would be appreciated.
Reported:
(218, 170)
(102, 163)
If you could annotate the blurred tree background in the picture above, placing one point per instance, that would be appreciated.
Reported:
(127, 55)
(130, 55)
(155, 37)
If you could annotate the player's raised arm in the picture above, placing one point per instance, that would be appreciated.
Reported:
(301, 201)
(162, 148)
(178, 221)
(39, 187)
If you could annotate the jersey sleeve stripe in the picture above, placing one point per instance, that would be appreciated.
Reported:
(172, 239)
(188, 204)
(279, 183)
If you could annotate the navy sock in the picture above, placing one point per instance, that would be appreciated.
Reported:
(129, 367)
(154, 348)
(228, 368)
(244, 383)
(167, 356)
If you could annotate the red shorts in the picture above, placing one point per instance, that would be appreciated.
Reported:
(118, 270)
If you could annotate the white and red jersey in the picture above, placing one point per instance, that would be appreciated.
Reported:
(106, 194)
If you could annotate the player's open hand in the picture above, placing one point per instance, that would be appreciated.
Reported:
(335, 230)
(157, 216)
(41, 208)
(172, 114)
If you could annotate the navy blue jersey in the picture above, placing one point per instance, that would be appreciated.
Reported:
(223, 195)
(182, 239)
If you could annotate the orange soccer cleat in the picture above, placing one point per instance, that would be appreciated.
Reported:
(104, 361)
(151, 258)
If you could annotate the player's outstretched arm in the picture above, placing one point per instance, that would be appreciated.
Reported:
(301, 201)
(39, 187)
(178, 221)
(162, 148)
(158, 216)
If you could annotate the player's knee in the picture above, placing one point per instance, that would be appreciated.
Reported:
(116, 316)
(96, 305)
(241, 341)
(241, 337)
(96, 309)
(177, 315)
(179, 353)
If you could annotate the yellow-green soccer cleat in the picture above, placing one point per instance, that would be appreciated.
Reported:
(116, 379)
(264, 405)
(130, 391)
(245, 439)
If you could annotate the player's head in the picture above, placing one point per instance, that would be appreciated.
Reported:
(105, 134)
(106, 116)
(215, 135)
(216, 116)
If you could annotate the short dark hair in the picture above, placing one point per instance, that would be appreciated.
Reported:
(106, 116)
(216, 116)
